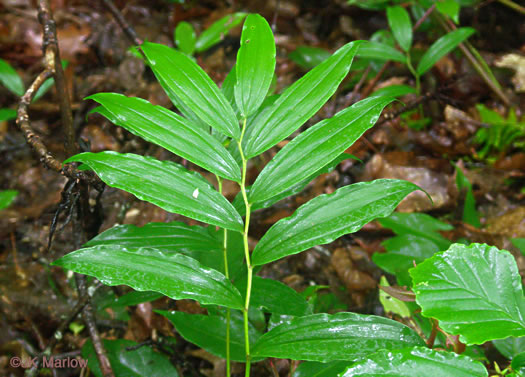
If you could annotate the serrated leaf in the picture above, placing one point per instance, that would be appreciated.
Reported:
(169, 130)
(308, 57)
(341, 336)
(511, 346)
(316, 146)
(185, 37)
(415, 362)
(10, 79)
(401, 26)
(165, 184)
(143, 361)
(209, 332)
(299, 102)
(174, 275)
(216, 32)
(179, 74)
(380, 51)
(274, 296)
(441, 47)
(474, 291)
(327, 217)
(255, 64)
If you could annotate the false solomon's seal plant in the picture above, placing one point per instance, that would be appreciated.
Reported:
(220, 130)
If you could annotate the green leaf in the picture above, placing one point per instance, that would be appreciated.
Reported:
(402, 253)
(274, 296)
(174, 275)
(341, 336)
(185, 37)
(441, 47)
(7, 114)
(10, 79)
(216, 32)
(315, 147)
(380, 51)
(327, 217)
(179, 74)
(449, 8)
(165, 184)
(299, 102)
(209, 332)
(395, 91)
(401, 26)
(169, 130)
(470, 215)
(316, 369)
(308, 57)
(416, 361)
(228, 88)
(255, 64)
(510, 347)
(420, 225)
(474, 291)
(7, 197)
(238, 202)
(518, 363)
(140, 362)
(171, 237)
(519, 243)
(391, 304)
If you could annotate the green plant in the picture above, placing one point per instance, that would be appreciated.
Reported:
(186, 40)
(13, 82)
(501, 133)
(7, 197)
(206, 265)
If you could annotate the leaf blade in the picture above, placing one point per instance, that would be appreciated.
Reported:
(170, 131)
(441, 47)
(159, 182)
(179, 74)
(299, 102)
(176, 276)
(416, 361)
(449, 287)
(352, 206)
(10, 78)
(401, 26)
(381, 51)
(214, 34)
(255, 64)
(341, 336)
(318, 145)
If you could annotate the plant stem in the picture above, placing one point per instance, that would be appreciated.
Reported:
(513, 5)
(227, 274)
(246, 252)
(414, 73)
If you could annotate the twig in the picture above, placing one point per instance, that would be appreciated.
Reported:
(128, 30)
(22, 118)
(425, 15)
(53, 63)
(513, 5)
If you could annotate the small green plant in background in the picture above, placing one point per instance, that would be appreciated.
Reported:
(13, 82)
(500, 133)
(187, 41)
(221, 131)
(7, 197)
